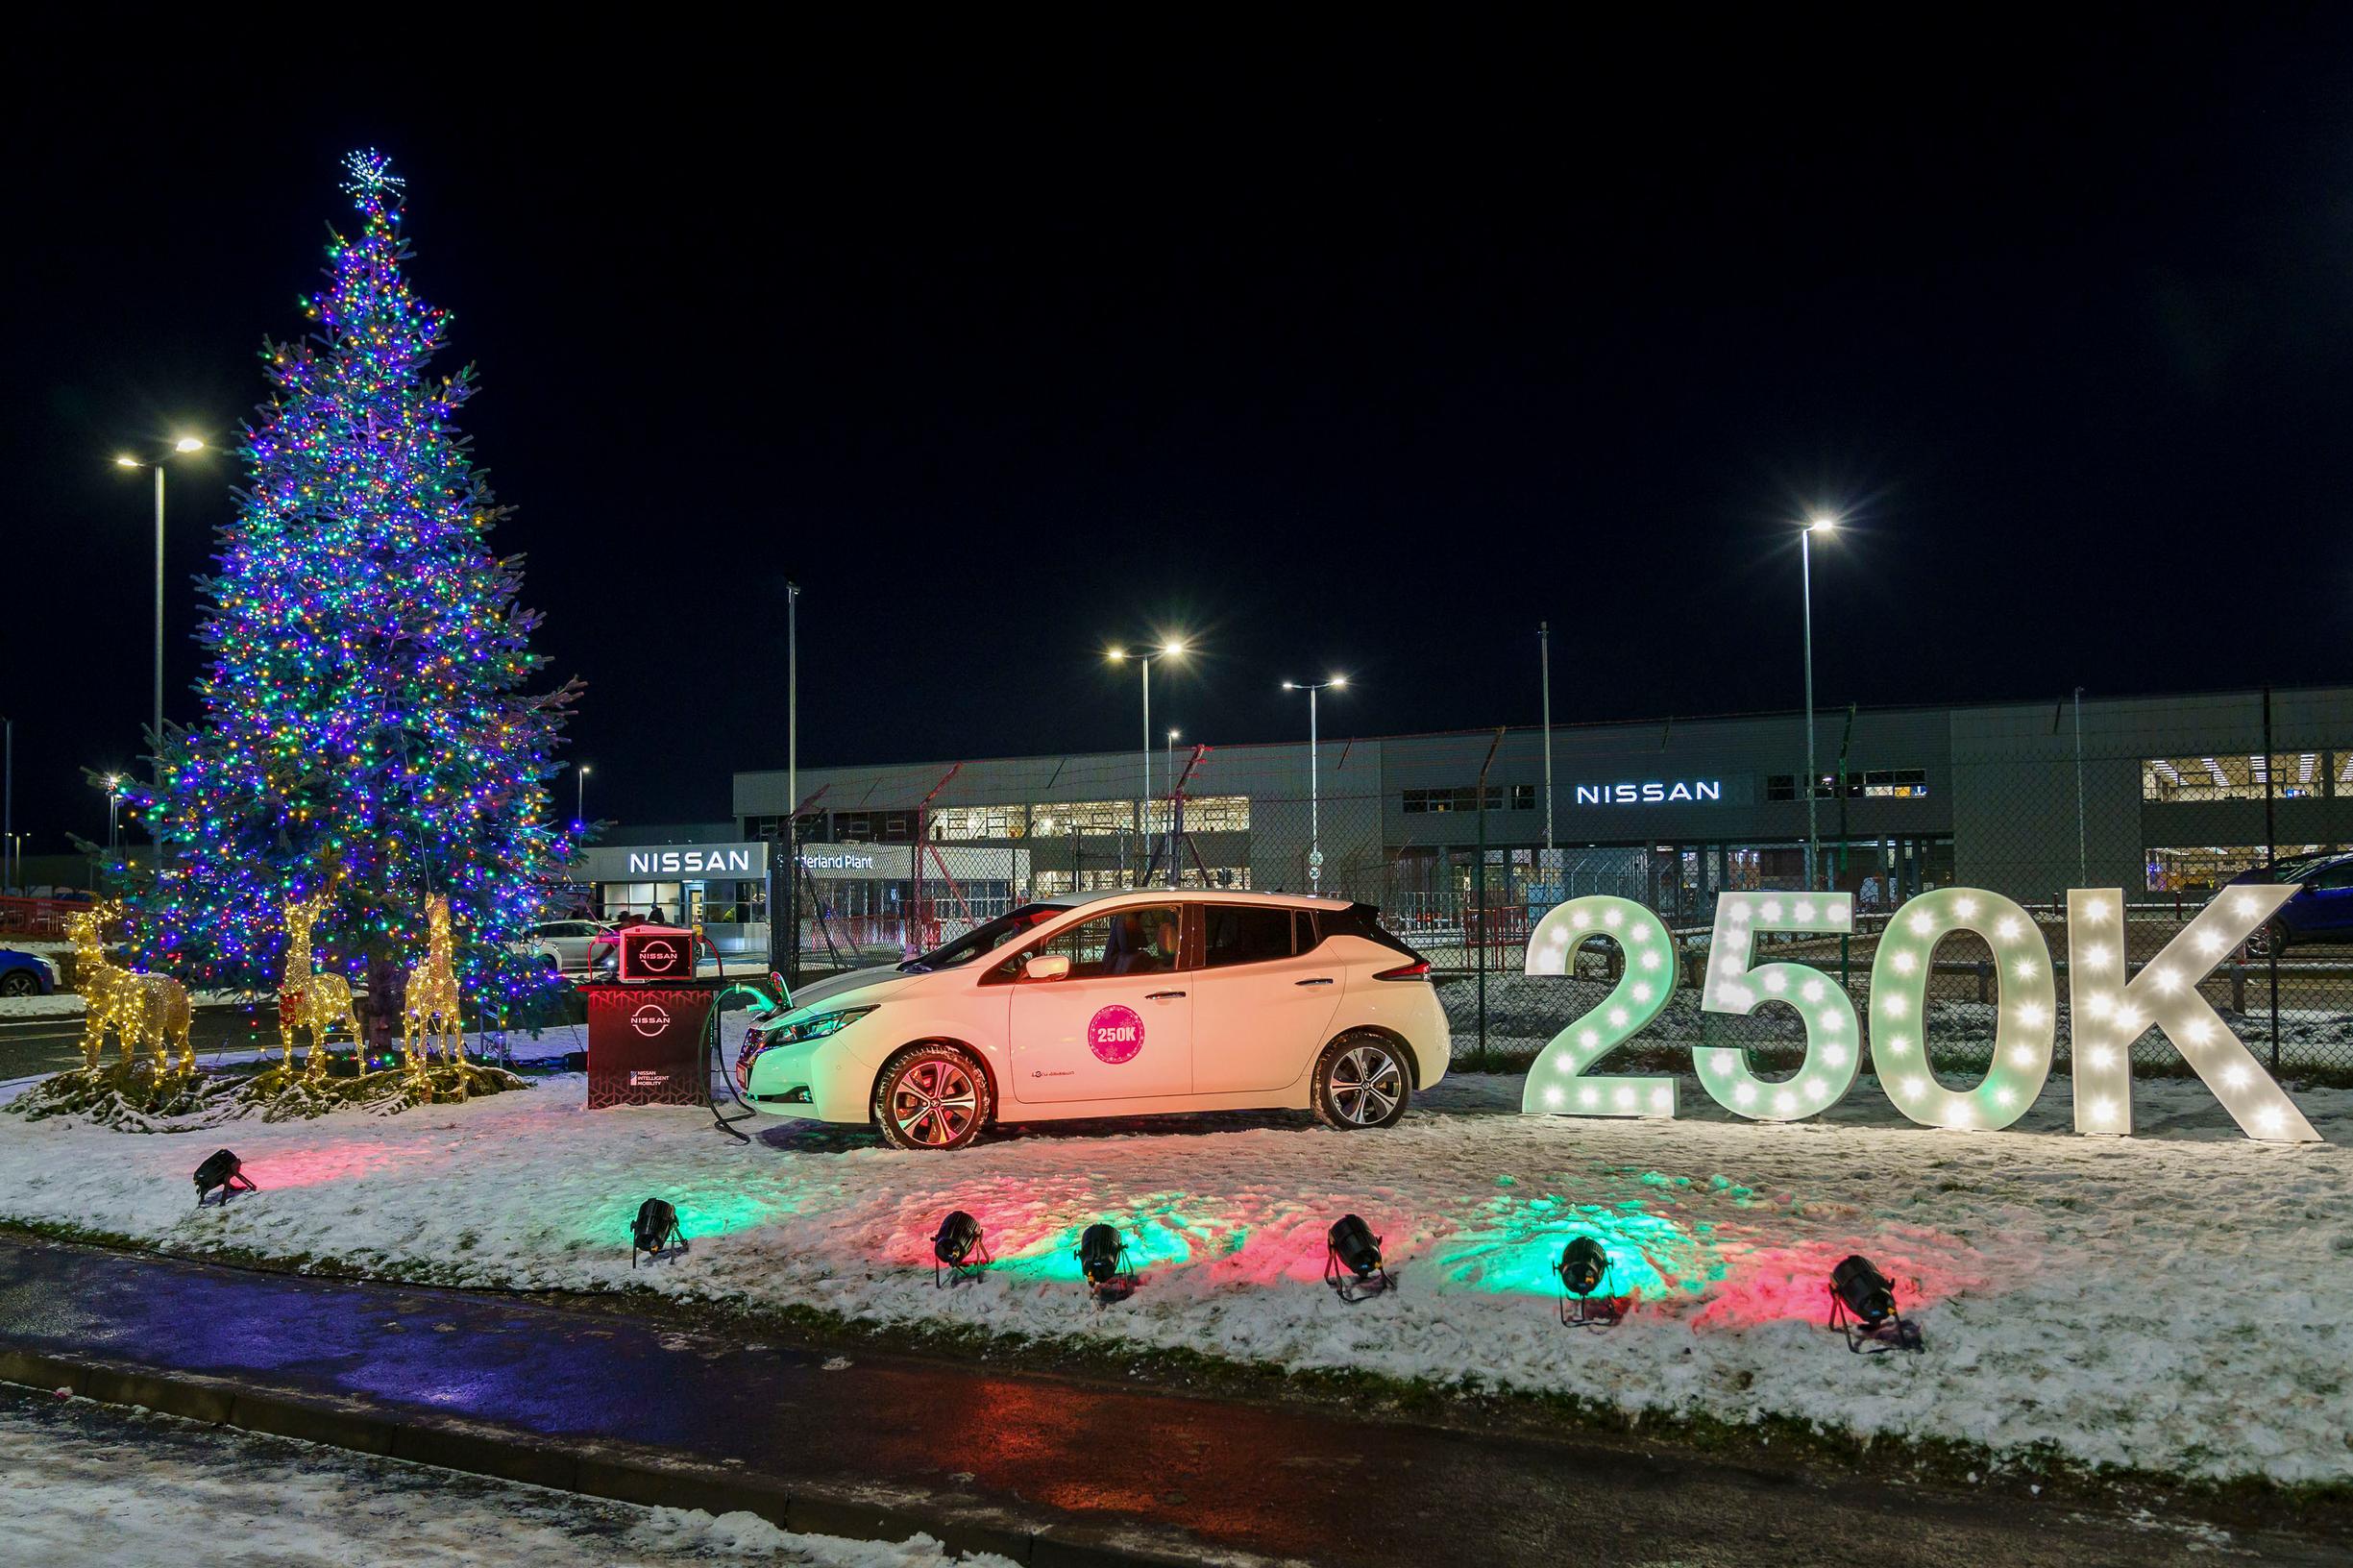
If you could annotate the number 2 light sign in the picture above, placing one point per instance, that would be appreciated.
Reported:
(2110, 1011)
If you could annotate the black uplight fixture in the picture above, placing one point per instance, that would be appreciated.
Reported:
(960, 1248)
(1863, 1308)
(225, 1173)
(1102, 1259)
(1352, 1260)
(654, 1230)
(1582, 1267)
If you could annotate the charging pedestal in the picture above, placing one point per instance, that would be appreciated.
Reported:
(648, 1030)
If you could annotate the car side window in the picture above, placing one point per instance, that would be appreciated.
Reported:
(1130, 942)
(2332, 878)
(1240, 934)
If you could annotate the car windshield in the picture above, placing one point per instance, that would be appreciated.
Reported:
(981, 940)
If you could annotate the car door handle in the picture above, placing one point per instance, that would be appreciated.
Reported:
(1319, 980)
(1162, 995)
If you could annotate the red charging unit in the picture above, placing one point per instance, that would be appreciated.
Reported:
(648, 1031)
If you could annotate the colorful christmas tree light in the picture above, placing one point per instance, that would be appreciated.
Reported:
(368, 732)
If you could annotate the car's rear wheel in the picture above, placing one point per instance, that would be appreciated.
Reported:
(1361, 1081)
(18, 983)
(2268, 940)
(931, 1097)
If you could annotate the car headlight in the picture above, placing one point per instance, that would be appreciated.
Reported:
(816, 1026)
(56, 976)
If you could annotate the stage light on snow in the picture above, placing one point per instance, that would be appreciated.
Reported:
(1863, 1308)
(1352, 1260)
(1582, 1267)
(1102, 1262)
(222, 1171)
(655, 1230)
(959, 1248)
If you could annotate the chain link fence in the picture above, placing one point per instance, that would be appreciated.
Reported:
(2024, 803)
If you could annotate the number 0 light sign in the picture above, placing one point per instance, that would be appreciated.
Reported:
(2111, 1011)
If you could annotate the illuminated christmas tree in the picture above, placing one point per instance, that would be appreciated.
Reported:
(369, 726)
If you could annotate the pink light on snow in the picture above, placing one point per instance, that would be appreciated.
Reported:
(1768, 1284)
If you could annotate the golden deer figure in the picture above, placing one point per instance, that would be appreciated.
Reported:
(310, 998)
(148, 1010)
(433, 992)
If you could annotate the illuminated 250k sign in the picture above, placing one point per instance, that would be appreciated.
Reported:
(2111, 1011)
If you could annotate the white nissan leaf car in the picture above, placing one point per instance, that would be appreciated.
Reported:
(1113, 1005)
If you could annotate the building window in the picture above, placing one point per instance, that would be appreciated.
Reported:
(1523, 797)
(2202, 867)
(2285, 776)
(1880, 783)
(2344, 772)
(874, 826)
(1893, 783)
(959, 824)
(1061, 819)
(1209, 813)
(1462, 800)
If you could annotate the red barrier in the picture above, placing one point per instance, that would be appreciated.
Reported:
(38, 916)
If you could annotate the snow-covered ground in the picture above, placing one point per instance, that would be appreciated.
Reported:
(84, 1484)
(2173, 1302)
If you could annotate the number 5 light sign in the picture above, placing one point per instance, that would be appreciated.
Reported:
(2111, 1011)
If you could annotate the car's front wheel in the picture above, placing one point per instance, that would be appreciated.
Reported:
(1361, 1081)
(931, 1097)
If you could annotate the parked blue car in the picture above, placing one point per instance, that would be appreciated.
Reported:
(26, 975)
(2321, 912)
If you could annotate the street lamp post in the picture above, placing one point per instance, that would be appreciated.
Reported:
(114, 788)
(1168, 772)
(1166, 650)
(185, 444)
(1813, 775)
(579, 793)
(1315, 832)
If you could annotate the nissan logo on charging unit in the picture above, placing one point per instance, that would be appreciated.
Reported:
(656, 952)
(650, 1020)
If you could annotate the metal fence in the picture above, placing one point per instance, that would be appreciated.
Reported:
(1458, 865)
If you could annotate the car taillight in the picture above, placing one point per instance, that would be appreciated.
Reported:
(1418, 969)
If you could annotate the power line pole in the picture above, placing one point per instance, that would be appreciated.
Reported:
(1544, 643)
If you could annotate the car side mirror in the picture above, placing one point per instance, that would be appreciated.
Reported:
(1047, 967)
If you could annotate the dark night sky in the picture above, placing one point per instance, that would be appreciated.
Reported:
(1365, 359)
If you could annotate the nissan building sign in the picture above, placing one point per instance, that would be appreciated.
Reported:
(745, 861)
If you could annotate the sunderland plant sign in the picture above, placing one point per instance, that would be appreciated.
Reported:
(2110, 1011)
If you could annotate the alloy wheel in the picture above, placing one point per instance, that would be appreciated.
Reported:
(934, 1103)
(1367, 1085)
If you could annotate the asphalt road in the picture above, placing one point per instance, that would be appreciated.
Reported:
(30, 1045)
(37, 1046)
(1206, 1476)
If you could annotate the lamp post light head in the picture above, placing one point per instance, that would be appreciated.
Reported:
(1822, 525)
(1172, 734)
(1171, 650)
(129, 462)
(188, 443)
(1115, 655)
(1337, 681)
